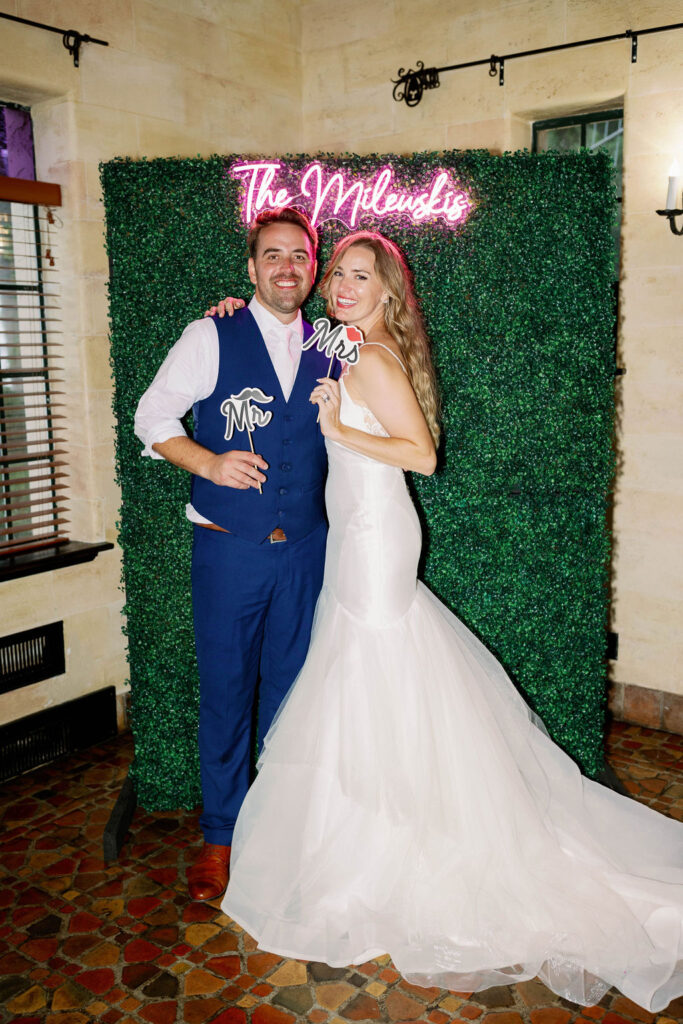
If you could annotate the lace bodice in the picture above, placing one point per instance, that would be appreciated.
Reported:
(355, 414)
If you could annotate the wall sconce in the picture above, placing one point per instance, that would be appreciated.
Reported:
(671, 211)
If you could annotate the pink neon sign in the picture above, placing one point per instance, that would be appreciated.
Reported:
(328, 194)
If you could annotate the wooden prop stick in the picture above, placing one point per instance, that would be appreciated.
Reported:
(332, 359)
(241, 414)
(342, 341)
(251, 445)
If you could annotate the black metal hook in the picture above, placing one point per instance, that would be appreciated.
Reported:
(72, 40)
(633, 36)
(492, 66)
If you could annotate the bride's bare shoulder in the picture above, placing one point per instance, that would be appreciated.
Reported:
(378, 350)
(380, 367)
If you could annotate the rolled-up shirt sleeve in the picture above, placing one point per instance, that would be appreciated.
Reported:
(188, 374)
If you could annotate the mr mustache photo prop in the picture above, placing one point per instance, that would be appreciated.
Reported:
(240, 414)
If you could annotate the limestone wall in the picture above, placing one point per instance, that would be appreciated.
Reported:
(200, 76)
(178, 78)
(347, 104)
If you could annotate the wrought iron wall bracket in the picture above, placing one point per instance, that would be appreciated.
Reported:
(672, 214)
(634, 45)
(410, 84)
(71, 39)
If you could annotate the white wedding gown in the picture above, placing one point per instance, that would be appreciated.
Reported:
(409, 802)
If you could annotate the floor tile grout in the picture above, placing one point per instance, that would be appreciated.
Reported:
(82, 941)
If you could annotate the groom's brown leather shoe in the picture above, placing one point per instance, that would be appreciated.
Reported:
(207, 879)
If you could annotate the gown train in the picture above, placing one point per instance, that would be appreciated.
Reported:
(409, 802)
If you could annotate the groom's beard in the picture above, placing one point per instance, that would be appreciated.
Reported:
(279, 299)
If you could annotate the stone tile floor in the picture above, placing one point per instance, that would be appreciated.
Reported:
(82, 941)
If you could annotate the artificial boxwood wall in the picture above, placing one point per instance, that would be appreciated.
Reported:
(518, 307)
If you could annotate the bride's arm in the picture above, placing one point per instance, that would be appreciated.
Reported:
(379, 382)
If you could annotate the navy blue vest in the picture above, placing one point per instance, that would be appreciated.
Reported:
(290, 442)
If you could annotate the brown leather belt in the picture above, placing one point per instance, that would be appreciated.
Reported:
(276, 537)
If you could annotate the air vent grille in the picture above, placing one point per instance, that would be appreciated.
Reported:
(47, 735)
(31, 655)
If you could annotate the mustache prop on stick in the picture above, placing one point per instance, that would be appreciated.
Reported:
(240, 414)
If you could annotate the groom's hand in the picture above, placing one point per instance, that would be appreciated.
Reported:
(236, 469)
(226, 305)
(227, 469)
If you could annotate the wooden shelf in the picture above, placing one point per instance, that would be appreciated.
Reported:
(38, 193)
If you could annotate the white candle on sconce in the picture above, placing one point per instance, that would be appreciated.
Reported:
(672, 191)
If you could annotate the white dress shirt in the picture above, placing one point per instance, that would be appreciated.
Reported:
(190, 371)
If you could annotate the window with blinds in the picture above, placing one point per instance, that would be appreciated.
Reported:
(33, 513)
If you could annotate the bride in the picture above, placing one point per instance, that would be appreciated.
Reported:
(408, 801)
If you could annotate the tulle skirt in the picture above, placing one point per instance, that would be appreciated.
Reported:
(408, 802)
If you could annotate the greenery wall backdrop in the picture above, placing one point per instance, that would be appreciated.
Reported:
(518, 305)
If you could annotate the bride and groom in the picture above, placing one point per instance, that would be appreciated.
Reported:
(407, 800)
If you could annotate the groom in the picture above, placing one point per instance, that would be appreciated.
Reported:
(259, 520)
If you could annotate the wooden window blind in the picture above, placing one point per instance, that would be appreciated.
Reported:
(33, 513)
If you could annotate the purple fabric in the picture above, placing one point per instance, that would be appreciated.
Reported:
(18, 159)
(3, 144)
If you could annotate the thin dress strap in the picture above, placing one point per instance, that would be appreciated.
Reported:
(379, 343)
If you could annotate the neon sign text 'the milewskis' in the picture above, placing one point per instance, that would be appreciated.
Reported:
(328, 194)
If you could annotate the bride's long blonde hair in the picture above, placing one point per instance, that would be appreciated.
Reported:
(402, 316)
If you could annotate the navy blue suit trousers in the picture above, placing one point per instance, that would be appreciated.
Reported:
(253, 610)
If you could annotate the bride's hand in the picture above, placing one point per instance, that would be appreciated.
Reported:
(226, 305)
(326, 396)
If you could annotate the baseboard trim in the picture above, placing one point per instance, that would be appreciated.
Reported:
(38, 739)
(639, 705)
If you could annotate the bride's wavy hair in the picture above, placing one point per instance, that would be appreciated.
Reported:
(402, 316)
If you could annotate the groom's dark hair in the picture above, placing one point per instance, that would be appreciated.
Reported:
(288, 214)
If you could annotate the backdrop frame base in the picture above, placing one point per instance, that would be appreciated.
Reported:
(120, 819)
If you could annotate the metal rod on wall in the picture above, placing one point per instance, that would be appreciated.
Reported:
(71, 39)
(410, 84)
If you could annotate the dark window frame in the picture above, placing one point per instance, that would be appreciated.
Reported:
(63, 552)
(583, 120)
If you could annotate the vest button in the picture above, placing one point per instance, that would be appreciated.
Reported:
(283, 490)
(285, 466)
(288, 419)
(286, 440)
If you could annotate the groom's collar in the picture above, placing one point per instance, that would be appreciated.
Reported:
(267, 321)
